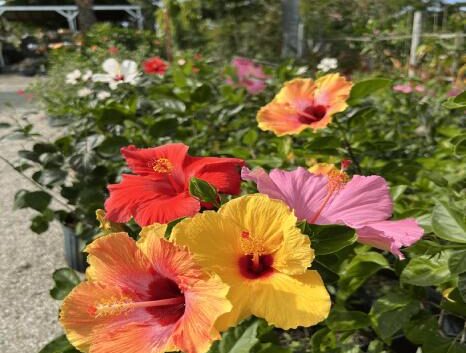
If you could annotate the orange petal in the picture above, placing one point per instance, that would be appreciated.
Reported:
(332, 91)
(280, 119)
(115, 259)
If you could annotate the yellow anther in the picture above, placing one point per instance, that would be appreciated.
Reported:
(162, 165)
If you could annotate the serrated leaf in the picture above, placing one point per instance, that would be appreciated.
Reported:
(203, 191)
(328, 239)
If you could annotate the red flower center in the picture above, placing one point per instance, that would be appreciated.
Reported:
(312, 114)
(256, 266)
(119, 78)
(162, 165)
(161, 289)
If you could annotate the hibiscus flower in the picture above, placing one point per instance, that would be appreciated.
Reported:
(248, 75)
(159, 190)
(143, 297)
(303, 103)
(330, 196)
(116, 73)
(253, 244)
(155, 65)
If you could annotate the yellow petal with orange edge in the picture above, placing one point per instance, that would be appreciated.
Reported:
(291, 301)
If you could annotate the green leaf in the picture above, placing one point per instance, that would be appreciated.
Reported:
(347, 320)
(448, 223)
(458, 102)
(37, 200)
(397, 191)
(239, 339)
(391, 312)
(59, 345)
(418, 330)
(65, 280)
(457, 262)
(328, 239)
(462, 286)
(164, 127)
(39, 224)
(426, 271)
(357, 271)
(203, 191)
(365, 88)
(52, 176)
(439, 344)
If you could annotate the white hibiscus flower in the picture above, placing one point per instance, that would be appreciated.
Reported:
(84, 92)
(103, 95)
(327, 64)
(73, 77)
(116, 73)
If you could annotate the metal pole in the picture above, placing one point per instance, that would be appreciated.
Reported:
(415, 41)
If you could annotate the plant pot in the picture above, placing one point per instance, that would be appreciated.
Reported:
(74, 246)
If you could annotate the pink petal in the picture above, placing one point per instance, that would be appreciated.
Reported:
(362, 200)
(299, 189)
(391, 235)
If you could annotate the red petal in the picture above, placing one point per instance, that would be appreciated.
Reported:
(166, 208)
(222, 173)
(126, 197)
(141, 160)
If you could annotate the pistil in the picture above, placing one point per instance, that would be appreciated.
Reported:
(115, 307)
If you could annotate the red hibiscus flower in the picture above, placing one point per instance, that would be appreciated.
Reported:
(159, 190)
(155, 65)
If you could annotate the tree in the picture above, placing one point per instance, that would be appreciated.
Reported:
(86, 17)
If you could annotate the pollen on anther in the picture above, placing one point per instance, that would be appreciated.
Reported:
(162, 165)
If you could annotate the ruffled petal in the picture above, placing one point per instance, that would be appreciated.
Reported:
(115, 259)
(298, 93)
(129, 68)
(302, 300)
(264, 219)
(213, 240)
(222, 173)
(390, 235)
(141, 160)
(361, 201)
(81, 320)
(299, 189)
(240, 295)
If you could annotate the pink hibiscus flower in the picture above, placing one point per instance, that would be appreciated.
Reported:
(329, 196)
(249, 75)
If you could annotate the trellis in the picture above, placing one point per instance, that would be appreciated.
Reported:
(70, 12)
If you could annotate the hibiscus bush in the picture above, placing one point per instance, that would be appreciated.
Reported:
(247, 207)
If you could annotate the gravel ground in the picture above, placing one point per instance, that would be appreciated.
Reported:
(28, 315)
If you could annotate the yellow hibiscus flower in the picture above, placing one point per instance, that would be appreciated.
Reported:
(253, 244)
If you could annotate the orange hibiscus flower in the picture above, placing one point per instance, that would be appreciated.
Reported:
(303, 103)
(143, 297)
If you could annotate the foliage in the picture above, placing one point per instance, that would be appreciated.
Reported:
(415, 141)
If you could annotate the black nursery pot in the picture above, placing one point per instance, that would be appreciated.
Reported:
(74, 246)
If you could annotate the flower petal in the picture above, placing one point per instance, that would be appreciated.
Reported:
(112, 67)
(222, 173)
(298, 93)
(361, 201)
(129, 68)
(299, 189)
(332, 91)
(303, 300)
(115, 259)
(279, 118)
(141, 160)
(390, 235)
